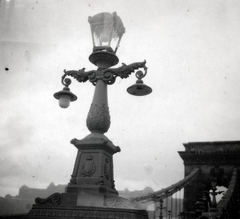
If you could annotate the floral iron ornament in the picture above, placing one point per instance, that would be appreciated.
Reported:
(107, 75)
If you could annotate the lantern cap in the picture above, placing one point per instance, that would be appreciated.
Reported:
(65, 91)
(139, 89)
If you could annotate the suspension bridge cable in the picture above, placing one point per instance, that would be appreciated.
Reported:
(164, 193)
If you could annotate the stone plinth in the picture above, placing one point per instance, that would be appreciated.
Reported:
(93, 169)
(60, 206)
(62, 212)
(91, 191)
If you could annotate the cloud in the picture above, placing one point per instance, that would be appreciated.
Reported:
(15, 131)
(15, 164)
(148, 169)
(188, 100)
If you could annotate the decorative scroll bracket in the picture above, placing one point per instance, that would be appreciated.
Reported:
(108, 75)
(54, 199)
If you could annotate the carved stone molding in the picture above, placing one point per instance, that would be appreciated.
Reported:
(89, 212)
(89, 167)
(107, 168)
(54, 199)
(73, 180)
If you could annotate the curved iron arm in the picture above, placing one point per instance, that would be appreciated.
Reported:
(125, 70)
(80, 75)
(140, 74)
(107, 75)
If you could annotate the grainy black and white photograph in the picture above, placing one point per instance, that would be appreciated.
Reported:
(120, 109)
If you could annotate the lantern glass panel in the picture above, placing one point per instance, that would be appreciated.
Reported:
(64, 101)
(107, 30)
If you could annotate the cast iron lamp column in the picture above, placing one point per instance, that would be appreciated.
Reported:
(92, 179)
(214, 192)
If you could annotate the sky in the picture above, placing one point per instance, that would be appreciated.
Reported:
(192, 53)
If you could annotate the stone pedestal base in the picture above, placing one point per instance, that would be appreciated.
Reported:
(86, 205)
(93, 169)
(80, 212)
(91, 189)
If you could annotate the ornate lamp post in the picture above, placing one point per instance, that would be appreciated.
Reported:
(161, 208)
(169, 214)
(214, 192)
(93, 170)
(91, 190)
